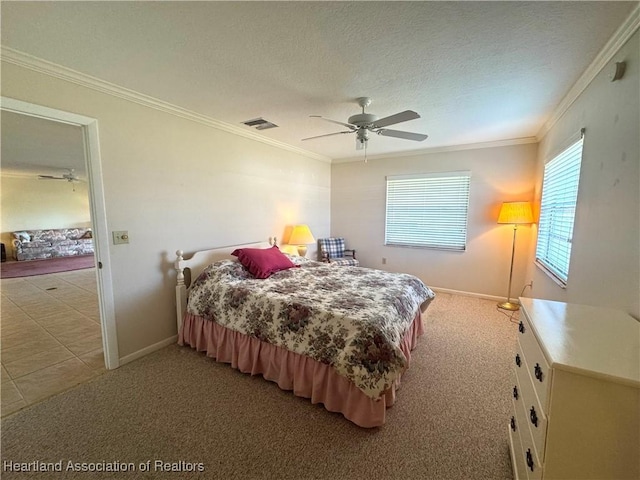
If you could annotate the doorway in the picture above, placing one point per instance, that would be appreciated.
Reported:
(99, 278)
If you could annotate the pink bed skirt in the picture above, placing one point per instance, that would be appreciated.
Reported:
(306, 377)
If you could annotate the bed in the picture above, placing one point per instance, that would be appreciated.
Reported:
(340, 336)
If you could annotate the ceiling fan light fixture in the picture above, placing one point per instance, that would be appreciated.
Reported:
(362, 139)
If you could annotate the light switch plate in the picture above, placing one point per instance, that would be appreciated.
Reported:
(120, 237)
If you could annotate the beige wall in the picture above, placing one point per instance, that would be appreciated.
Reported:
(30, 204)
(177, 184)
(605, 257)
(605, 262)
(498, 174)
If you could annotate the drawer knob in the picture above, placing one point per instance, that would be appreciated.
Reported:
(521, 327)
(537, 371)
(515, 392)
(529, 459)
(534, 417)
(513, 424)
(518, 361)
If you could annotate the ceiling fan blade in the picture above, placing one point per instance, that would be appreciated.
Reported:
(328, 135)
(50, 177)
(348, 125)
(397, 118)
(418, 137)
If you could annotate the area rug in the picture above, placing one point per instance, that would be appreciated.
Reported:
(29, 268)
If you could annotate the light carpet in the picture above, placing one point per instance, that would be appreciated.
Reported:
(176, 405)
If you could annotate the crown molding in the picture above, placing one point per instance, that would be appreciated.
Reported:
(25, 60)
(451, 148)
(615, 43)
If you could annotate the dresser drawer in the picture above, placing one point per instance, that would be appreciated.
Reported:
(536, 418)
(517, 458)
(538, 368)
(528, 456)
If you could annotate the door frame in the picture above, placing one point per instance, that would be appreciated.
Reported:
(97, 207)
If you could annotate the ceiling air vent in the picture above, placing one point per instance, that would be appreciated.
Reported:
(259, 124)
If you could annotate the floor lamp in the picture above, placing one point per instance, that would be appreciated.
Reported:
(516, 213)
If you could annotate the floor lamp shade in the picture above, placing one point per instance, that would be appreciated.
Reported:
(301, 235)
(515, 213)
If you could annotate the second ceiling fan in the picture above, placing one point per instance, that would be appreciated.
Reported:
(70, 176)
(364, 123)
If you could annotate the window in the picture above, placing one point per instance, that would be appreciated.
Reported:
(557, 212)
(428, 210)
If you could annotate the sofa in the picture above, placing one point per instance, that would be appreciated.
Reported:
(52, 243)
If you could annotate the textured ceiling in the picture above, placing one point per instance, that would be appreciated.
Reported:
(474, 71)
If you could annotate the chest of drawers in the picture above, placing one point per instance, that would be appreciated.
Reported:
(575, 393)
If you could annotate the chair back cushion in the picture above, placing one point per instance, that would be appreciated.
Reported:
(333, 247)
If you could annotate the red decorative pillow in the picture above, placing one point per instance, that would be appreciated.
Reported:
(262, 262)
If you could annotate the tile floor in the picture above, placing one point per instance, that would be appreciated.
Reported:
(51, 337)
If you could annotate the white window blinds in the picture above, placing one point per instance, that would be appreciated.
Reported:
(428, 210)
(557, 211)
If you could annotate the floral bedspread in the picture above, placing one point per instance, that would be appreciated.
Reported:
(351, 318)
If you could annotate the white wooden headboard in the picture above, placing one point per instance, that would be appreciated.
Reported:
(196, 263)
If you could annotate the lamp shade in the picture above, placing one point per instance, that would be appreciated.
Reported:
(515, 212)
(301, 235)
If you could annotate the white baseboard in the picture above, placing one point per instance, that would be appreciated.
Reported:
(147, 350)
(472, 294)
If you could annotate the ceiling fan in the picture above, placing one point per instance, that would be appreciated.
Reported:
(70, 176)
(364, 123)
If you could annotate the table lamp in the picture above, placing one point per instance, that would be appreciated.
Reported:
(301, 236)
